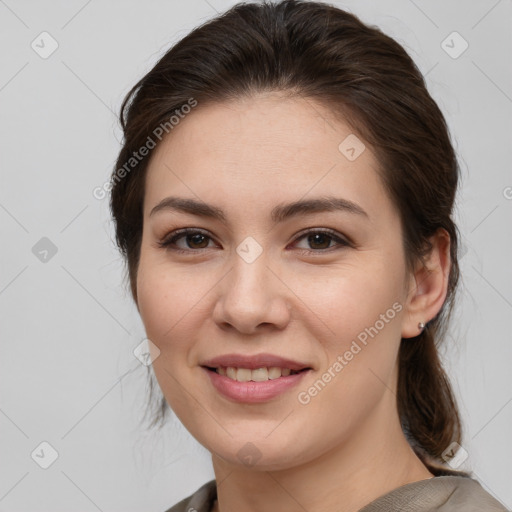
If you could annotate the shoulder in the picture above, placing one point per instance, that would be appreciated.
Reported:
(441, 493)
(200, 501)
(466, 494)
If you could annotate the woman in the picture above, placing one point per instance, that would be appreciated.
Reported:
(283, 199)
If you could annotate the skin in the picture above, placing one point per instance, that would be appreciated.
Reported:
(298, 299)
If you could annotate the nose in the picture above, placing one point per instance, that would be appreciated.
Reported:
(252, 298)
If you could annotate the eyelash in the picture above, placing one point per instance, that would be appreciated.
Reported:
(168, 241)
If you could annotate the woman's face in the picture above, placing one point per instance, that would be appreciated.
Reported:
(323, 289)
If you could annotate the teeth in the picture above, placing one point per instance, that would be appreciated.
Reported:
(257, 375)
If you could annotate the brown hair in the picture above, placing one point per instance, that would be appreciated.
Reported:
(323, 53)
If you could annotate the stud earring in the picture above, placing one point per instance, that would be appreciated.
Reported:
(421, 326)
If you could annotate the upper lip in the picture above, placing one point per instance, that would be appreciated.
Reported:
(253, 362)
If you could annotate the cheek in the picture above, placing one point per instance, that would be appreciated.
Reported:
(350, 300)
(364, 313)
(156, 305)
(360, 310)
(162, 299)
(166, 305)
(167, 296)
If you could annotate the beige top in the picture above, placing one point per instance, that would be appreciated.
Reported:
(440, 493)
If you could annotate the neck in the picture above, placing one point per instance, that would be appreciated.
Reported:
(376, 459)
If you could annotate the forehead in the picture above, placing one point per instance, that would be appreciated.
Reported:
(268, 148)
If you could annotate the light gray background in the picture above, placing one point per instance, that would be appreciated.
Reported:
(68, 327)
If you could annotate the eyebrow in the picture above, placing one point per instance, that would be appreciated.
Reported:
(279, 213)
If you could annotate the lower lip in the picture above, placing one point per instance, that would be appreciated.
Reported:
(252, 392)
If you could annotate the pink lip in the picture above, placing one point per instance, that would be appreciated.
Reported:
(253, 392)
(253, 362)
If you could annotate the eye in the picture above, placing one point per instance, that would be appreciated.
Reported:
(321, 240)
(194, 239)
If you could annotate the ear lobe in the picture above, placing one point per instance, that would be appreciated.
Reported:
(428, 286)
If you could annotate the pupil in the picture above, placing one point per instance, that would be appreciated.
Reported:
(197, 238)
(315, 238)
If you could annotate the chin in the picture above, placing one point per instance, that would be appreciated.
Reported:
(262, 453)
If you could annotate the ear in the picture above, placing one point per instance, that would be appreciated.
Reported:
(428, 286)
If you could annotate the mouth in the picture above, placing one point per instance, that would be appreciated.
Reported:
(251, 391)
(253, 379)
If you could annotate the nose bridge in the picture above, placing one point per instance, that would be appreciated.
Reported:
(251, 294)
(250, 274)
(250, 286)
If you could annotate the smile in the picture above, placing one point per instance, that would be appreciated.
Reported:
(256, 391)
